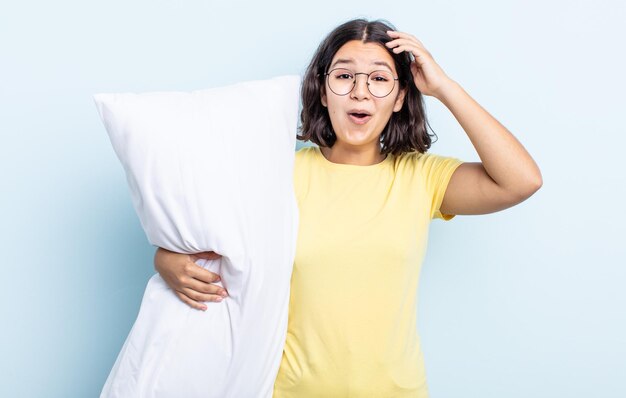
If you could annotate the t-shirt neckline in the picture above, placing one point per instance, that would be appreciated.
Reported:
(342, 166)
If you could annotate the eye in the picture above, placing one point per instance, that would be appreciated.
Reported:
(342, 74)
(380, 77)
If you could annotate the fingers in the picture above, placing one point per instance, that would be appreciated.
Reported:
(197, 272)
(204, 291)
(400, 45)
(199, 284)
(406, 36)
(190, 302)
(200, 298)
(191, 283)
(406, 42)
(194, 292)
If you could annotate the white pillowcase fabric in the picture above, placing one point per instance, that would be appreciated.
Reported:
(210, 170)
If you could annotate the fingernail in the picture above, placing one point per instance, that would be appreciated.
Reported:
(203, 308)
(223, 294)
(219, 299)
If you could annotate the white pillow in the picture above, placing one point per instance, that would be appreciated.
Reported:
(210, 170)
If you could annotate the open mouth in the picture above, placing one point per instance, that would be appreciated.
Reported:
(359, 118)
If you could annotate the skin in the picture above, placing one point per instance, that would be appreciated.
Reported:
(505, 176)
(358, 144)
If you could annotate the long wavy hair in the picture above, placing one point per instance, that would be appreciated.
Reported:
(406, 129)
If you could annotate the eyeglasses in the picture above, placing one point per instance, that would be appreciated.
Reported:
(380, 83)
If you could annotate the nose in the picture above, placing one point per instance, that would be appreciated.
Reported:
(360, 89)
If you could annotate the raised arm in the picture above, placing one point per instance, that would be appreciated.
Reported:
(506, 175)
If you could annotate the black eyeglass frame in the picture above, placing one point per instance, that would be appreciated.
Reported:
(366, 81)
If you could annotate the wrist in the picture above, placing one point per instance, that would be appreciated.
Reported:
(158, 256)
(448, 90)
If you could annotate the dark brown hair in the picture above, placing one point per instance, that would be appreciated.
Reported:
(406, 129)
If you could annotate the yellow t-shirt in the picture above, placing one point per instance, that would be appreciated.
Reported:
(353, 307)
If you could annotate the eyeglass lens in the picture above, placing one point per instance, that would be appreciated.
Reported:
(341, 81)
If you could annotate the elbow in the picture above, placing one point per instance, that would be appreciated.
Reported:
(530, 186)
(536, 182)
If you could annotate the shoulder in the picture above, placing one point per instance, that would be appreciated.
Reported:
(304, 156)
(429, 169)
(424, 161)
(304, 161)
(303, 166)
(305, 153)
(419, 162)
(420, 159)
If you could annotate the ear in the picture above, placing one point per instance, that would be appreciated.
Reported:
(323, 98)
(399, 100)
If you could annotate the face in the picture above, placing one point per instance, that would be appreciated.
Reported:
(350, 129)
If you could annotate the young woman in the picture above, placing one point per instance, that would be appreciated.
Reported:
(366, 195)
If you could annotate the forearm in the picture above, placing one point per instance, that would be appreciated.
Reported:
(504, 158)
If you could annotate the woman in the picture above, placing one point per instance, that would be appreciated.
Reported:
(366, 195)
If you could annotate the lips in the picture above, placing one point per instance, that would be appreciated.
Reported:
(359, 116)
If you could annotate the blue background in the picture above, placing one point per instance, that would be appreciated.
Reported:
(528, 302)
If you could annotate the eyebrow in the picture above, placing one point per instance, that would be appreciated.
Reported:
(351, 61)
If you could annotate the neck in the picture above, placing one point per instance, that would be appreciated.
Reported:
(359, 156)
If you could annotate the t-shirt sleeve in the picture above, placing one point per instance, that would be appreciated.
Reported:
(436, 172)
(301, 168)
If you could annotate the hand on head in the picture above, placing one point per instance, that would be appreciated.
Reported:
(428, 76)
